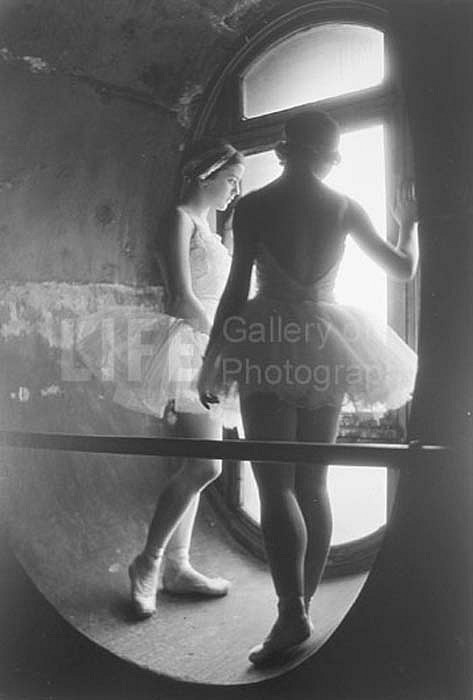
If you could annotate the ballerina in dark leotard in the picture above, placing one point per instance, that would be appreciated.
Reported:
(294, 354)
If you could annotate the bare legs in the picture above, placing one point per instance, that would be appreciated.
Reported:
(170, 531)
(312, 496)
(295, 513)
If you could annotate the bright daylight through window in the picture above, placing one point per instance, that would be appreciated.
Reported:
(321, 62)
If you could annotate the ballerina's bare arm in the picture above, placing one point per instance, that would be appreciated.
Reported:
(183, 303)
(236, 290)
(399, 261)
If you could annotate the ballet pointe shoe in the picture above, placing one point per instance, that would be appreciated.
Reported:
(289, 631)
(144, 578)
(180, 578)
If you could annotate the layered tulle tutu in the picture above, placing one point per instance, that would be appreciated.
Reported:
(149, 358)
(295, 341)
(152, 359)
(311, 354)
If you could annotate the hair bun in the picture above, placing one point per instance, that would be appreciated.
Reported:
(312, 129)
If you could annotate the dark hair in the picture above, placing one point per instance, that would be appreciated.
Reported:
(203, 159)
(309, 133)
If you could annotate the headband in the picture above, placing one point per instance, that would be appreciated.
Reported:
(205, 165)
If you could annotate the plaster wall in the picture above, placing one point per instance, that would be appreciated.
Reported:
(97, 103)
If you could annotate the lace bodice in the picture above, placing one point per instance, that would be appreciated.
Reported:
(274, 282)
(210, 264)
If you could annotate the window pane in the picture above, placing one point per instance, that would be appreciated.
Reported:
(314, 64)
(260, 169)
(361, 175)
(358, 500)
(357, 497)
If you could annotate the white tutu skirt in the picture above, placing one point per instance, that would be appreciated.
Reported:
(150, 359)
(313, 353)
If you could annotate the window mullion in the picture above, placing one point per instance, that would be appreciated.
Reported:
(260, 133)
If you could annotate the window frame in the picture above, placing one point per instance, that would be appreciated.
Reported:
(223, 114)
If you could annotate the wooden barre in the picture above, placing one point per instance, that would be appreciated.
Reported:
(356, 455)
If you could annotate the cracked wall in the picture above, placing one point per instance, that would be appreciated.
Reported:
(98, 99)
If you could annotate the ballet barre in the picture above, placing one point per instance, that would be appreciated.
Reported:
(342, 454)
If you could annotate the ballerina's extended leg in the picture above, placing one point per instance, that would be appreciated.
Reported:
(179, 576)
(283, 526)
(320, 425)
(172, 525)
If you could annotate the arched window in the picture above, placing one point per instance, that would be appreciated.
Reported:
(343, 62)
(312, 65)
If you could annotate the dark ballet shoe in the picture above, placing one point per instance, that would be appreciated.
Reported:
(264, 655)
(278, 648)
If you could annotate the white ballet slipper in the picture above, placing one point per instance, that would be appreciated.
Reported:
(183, 579)
(144, 578)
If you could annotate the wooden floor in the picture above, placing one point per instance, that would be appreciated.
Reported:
(83, 519)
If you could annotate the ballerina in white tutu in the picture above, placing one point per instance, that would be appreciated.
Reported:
(294, 355)
(155, 360)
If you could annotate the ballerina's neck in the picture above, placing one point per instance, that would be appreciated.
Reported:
(198, 216)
